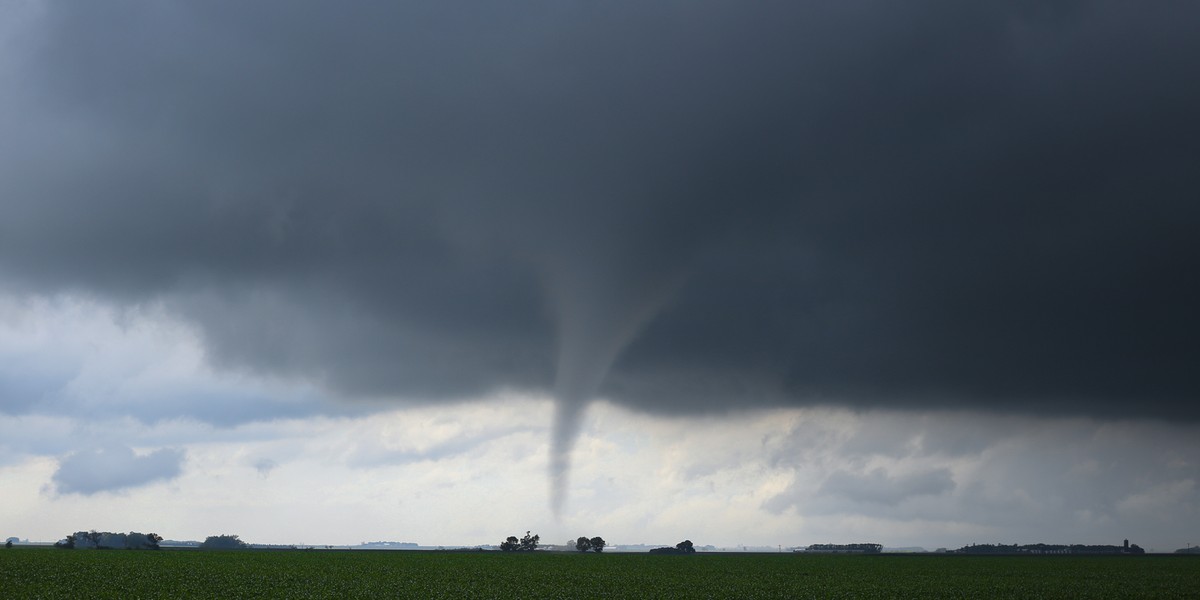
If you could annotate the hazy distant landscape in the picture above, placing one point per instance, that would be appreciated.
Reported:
(95, 540)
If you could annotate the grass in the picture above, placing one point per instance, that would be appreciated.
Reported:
(49, 573)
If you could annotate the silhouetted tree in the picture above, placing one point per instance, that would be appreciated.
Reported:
(109, 540)
(684, 547)
(583, 544)
(8, 544)
(598, 544)
(82, 539)
(526, 544)
(223, 542)
(146, 541)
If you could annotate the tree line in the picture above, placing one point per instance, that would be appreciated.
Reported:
(107, 540)
(684, 547)
(1127, 548)
(223, 542)
(529, 543)
(104, 540)
(150, 541)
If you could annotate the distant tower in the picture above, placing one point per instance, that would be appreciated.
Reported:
(1127, 545)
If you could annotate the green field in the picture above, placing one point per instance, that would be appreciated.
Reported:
(49, 573)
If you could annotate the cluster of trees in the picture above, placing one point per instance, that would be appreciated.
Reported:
(108, 540)
(1051, 549)
(846, 548)
(596, 544)
(529, 543)
(684, 547)
(223, 542)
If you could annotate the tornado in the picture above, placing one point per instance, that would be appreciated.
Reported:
(597, 317)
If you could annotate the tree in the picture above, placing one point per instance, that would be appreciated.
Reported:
(583, 544)
(223, 542)
(109, 540)
(8, 544)
(526, 544)
(598, 544)
(81, 539)
(142, 541)
(684, 547)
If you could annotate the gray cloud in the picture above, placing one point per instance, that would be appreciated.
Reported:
(684, 209)
(264, 466)
(458, 445)
(1022, 478)
(67, 356)
(879, 487)
(114, 468)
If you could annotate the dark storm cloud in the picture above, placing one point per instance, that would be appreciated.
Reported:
(684, 207)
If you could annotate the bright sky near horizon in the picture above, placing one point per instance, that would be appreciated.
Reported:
(919, 274)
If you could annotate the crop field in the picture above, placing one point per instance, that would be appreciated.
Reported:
(49, 573)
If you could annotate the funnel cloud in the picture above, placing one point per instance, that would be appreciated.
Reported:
(680, 208)
(596, 316)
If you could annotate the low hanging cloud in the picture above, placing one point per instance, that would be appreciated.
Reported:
(1022, 478)
(879, 487)
(115, 468)
(682, 209)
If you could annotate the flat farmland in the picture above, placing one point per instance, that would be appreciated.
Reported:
(50, 573)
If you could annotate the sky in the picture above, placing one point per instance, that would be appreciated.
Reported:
(918, 274)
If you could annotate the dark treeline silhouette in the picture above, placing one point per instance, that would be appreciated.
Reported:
(845, 548)
(684, 547)
(1127, 548)
(596, 544)
(223, 542)
(106, 540)
(529, 543)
